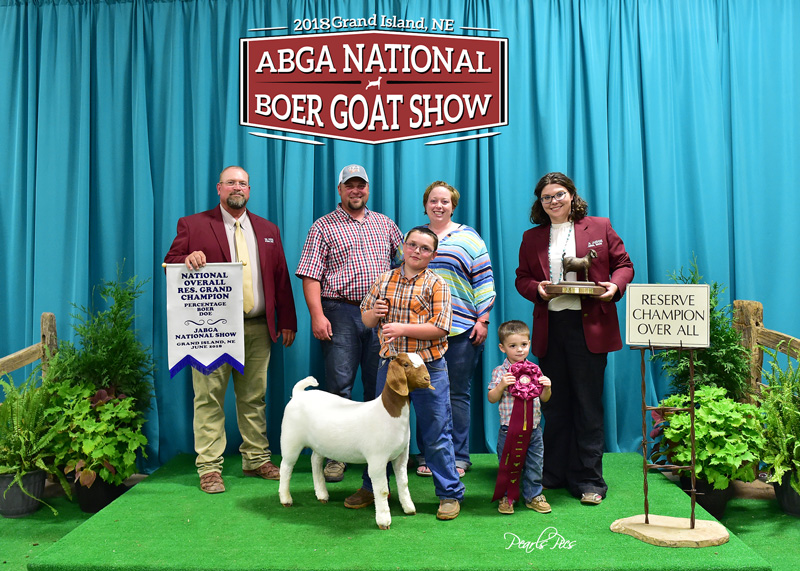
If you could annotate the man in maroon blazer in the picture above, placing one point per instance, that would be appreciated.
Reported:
(211, 237)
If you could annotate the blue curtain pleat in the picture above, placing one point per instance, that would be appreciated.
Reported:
(678, 120)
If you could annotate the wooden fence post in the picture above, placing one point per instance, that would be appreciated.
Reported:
(748, 319)
(49, 339)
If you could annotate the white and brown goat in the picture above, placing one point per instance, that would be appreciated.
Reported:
(374, 432)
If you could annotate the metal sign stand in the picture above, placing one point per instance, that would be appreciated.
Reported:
(662, 530)
(690, 409)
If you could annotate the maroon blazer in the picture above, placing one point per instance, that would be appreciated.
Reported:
(600, 322)
(205, 231)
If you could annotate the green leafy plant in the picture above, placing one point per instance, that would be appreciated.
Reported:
(725, 363)
(102, 433)
(27, 434)
(728, 436)
(107, 354)
(780, 410)
(102, 384)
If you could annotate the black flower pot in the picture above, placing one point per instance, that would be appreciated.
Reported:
(15, 502)
(710, 499)
(788, 499)
(99, 495)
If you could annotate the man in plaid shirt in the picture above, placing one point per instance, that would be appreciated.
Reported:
(412, 306)
(345, 251)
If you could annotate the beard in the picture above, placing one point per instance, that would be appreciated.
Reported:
(237, 201)
(356, 203)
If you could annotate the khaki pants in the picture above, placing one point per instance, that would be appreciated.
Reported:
(250, 390)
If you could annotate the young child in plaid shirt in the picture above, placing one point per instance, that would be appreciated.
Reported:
(410, 305)
(515, 342)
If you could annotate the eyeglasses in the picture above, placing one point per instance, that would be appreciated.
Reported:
(557, 196)
(414, 246)
(234, 183)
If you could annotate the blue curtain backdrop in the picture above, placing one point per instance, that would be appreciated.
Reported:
(678, 119)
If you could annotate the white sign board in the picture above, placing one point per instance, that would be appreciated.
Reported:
(668, 315)
(205, 321)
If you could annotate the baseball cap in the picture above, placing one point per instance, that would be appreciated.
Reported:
(351, 171)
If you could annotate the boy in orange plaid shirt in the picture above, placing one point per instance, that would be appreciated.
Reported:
(410, 305)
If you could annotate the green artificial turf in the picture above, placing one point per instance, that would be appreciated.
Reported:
(763, 526)
(22, 539)
(166, 522)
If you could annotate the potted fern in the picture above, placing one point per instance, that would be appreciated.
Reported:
(728, 440)
(26, 456)
(725, 363)
(780, 410)
(107, 353)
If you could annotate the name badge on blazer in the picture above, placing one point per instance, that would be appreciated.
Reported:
(269, 240)
(595, 243)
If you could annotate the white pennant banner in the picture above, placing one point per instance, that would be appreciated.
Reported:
(205, 321)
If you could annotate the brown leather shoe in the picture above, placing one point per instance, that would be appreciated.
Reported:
(211, 483)
(449, 508)
(267, 470)
(361, 499)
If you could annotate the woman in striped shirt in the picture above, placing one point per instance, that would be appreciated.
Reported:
(463, 261)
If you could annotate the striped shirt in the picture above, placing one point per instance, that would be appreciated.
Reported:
(346, 255)
(463, 261)
(506, 404)
(425, 298)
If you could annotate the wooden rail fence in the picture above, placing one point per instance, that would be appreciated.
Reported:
(46, 348)
(748, 318)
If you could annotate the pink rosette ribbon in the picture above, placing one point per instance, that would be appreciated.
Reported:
(527, 386)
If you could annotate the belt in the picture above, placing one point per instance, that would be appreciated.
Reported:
(342, 300)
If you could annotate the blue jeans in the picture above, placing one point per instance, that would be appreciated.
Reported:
(435, 423)
(352, 345)
(534, 460)
(462, 360)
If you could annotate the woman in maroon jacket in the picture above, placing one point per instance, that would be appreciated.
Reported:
(571, 334)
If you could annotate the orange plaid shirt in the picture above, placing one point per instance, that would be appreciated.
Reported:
(425, 298)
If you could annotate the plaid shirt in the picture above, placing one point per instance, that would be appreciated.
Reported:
(346, 255)
(425, 298)
(506, 404)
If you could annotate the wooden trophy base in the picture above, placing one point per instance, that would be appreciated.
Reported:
(575, 288)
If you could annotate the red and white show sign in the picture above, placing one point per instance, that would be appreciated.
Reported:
(374, 86)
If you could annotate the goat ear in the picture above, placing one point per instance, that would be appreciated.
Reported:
(396, 378)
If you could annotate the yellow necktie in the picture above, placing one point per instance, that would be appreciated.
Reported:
(247, 273)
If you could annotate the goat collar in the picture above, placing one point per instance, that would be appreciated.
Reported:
(415, 359)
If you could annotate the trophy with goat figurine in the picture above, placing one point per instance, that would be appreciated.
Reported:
(577, 265)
